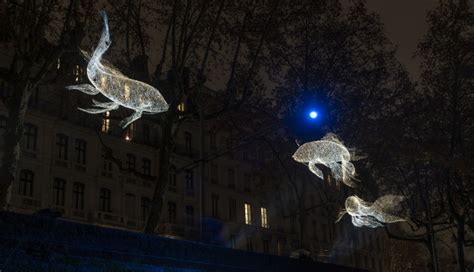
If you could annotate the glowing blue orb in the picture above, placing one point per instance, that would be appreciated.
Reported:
(313, 115)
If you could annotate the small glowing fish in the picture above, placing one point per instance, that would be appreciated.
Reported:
(120, 89)
(330, 152)
(375, 214)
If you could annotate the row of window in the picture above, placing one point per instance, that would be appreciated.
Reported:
(214, 177)
(248, 218)
(59, 189)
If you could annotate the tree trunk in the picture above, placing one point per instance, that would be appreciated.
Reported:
(163, 173)
(14, 131)
(460, 245)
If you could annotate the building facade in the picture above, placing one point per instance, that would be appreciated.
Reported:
(62, 167)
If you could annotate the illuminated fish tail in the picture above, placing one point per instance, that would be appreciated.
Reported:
(104, 44)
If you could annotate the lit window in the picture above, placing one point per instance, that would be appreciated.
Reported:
(248, 213)
(78, 72)
(106, 122)
(263, 214)
(130, 132)
(181, 107)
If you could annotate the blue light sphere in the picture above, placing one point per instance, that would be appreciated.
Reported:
(313, 115)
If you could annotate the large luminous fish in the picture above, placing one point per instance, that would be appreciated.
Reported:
(120, 89)
(330, 152)
(373, 214)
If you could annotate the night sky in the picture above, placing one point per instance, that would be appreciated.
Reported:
(405, 25)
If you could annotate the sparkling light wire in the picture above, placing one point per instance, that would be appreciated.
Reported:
(120, 89)
(330, 152)
(375, 214)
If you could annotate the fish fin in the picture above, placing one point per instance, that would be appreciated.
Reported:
(93, 111)
(85, 88)
(127, 121)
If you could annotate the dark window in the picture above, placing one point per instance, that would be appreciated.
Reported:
(212, 139)
(30, 136)
(107, 163)
(33, 101)
(232, 209)
(189, 215)
(5, 90)
(245, 153)
(188, 140)
(266, 246)
(145, 205)
(171, 212)
(189, 182)
(105, 198)
(26, 183)
(214, 174)
(3, 124)
(131, 160)
(172, 177)
(249, 244)
(233, 241)
(146, 133)
(130, 208)
(59, 189)
(80, 147)
(247, 179)
(61, 144)
(146, 163)
(231, 178)
(215, 205)
(78, 195)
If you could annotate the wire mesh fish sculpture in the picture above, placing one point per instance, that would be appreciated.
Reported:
(120, 89)
(375, 214)
(330, 152)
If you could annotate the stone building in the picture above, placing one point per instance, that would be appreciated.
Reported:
(62, 167)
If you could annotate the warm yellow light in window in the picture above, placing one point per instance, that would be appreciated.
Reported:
(263, 215)
(130, 132)
(181, 107)
(77, 72)
(248, 213)
(106, 122)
